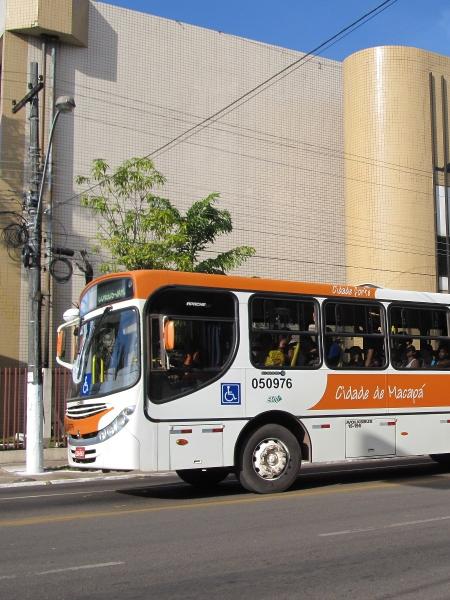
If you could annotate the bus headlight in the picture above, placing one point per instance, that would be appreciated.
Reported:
(119, 423)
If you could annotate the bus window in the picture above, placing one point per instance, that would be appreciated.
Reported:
(193, 337)
(283, 333)
(419, 337)
(353, 336)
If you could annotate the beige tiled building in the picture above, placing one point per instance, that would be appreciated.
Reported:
(328, 172)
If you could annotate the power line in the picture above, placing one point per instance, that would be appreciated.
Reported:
(322, 241)
(269, 161)
(276, 77)
(263, 85)
(293, 145)
(136, 100)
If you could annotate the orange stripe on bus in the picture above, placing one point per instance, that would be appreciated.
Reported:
(382, 391)
(85, 425)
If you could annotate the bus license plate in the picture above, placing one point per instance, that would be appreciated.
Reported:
(80, 452)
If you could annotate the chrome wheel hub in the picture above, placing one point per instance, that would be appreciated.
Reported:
(270, 459)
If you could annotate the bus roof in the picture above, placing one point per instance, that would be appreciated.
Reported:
(145, 282)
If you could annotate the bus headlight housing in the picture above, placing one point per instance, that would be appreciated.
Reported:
(119, 423)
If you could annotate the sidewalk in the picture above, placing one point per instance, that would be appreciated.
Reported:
(13, 470)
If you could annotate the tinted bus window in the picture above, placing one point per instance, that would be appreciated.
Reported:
(354, 335)
(419, 337)
(192, 340)
(283, 333)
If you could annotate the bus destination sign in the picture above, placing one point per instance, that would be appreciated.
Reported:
(106, 292)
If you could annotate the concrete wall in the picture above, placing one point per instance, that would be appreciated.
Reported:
(140, 82)
(12, 158)
(313, 208)
(276, 160)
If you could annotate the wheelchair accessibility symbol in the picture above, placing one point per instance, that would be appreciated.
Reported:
(86, 387)
(231, 393)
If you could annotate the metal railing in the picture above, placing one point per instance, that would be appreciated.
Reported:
(13, 403)
(13, 408)
(61, 379)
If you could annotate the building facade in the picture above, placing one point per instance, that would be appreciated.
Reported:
(396, 146)
(333, 173)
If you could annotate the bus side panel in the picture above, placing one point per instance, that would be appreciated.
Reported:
(224, 398)
(423, 434)
(327, 438)
(197, 445)
(163, 452)
(291, 391)
(230, 437)
(148, 436)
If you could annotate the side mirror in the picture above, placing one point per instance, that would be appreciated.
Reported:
(169, 335)
(71, 314)
(65, 343)
(61, 344)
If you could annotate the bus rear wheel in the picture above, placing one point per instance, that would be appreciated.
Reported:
(270, 460)
(203, 478)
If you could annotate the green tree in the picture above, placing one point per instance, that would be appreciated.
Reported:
(142, 230)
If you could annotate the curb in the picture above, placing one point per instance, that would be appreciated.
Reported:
(51, 482)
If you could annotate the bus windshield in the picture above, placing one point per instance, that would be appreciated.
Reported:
(108, 358)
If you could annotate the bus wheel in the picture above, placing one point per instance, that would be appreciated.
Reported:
(270, 460)
(442, 459)
(203, 478)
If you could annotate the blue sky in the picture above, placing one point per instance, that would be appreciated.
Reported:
(304, 24)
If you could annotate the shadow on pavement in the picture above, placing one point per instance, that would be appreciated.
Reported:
(426, 474)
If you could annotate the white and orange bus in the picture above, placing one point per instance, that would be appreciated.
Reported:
(208, 374)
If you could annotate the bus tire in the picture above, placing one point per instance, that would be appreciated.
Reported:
(270, 460)
(442, 459)
(203, 478)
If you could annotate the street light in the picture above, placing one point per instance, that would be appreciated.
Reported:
(63, 104)
(35, 412)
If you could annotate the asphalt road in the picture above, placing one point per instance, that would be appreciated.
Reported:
(342, 532)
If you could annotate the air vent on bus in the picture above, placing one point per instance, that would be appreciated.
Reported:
(81, 411)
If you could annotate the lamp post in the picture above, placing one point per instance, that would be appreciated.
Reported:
(35, 413)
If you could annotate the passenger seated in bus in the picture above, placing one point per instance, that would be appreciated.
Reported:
(257, 351)
(395, 357)
(374, 352)
(334, 352)
(309, 351)
(412, 358)
(426, 355)
(401, 346)
(192, 359)
(278, 356)
(443, 358)
(376, 360)
(356, 359)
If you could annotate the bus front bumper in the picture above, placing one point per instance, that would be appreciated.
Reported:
(121, 452)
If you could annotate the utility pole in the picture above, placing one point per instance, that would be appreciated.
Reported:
(32, 261)
(32, 255)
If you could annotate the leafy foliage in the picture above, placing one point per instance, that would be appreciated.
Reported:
(142, 230)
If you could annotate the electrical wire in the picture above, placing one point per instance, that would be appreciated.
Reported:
(262, 86)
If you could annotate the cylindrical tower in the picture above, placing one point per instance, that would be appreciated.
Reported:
(390, 96)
